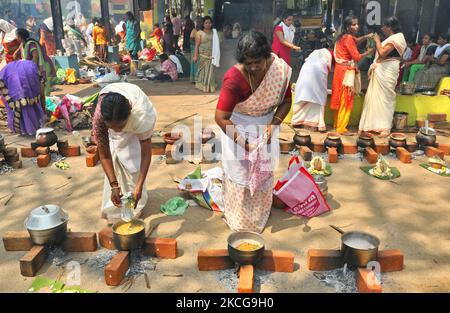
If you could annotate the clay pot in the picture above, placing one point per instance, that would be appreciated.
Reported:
(302, 138)
(171, 138)
(365, 140)
(397, 140)
(333, 140)
(426, 137)
(45, 137)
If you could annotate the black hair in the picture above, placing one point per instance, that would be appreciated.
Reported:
(429, 35)
(100, 21)
(286, 14)
(252, 45)
(393, 23)
(348, 21)
(163, 57)
(174, 14)
(207, 17)
(156, 24)
(410, 39)
(23, 33)
(443, 36)
(130, 15)
(115, 107)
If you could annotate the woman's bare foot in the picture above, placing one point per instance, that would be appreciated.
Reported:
(383, 135)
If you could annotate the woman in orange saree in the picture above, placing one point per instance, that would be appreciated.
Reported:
(346, 78)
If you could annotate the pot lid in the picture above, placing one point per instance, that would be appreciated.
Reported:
(45, 217)
(398, 136)
(44, 130)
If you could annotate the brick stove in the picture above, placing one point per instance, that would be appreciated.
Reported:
(164, 248)
(218, 259)
(36, 257)
(43, 153)
(326, 260)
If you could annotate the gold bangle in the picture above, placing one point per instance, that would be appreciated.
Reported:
(278, 118)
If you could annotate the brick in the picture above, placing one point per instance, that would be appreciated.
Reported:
(367, 282)
(318, 146)
(286, 146)
(80, 242)
(382, 148)
(432, 151)
(445, 147)
(12, 158)
(277, 261)
(10, 151)
(73, 151)
(390, 260)
(91, 160)
(17, 241)
(105, 238)
(62, 144)
(32, 262)
(332, 155)
(17, 164)
(403, 155)
(350, 148)
(306, 153)
(42, 150)
(158, 151)
(411, 146)
(28, 152)
(165, 248)
(370, 155)
(43, 160)
(246, 279)
(437, 117)
(92, 150)
(324, 259)
(214, 260)
(116, 268)
(420, 122)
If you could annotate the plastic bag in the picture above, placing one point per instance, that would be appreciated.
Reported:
(298, 190)
(71, 77)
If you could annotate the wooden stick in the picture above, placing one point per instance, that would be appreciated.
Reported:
(179, 120)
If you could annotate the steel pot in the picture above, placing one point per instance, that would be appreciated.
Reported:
(426, 137)
(45, 137)
(129, 242)
(47, 224)
(321, 183)
(358, 248)
(49, 236)
(397, 140)
(245, 257)
(365, 140)
(302, 138)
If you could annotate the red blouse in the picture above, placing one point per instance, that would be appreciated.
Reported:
(236, 89)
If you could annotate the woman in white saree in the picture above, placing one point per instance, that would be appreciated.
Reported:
(311, 91)
(380, 99)
(123, 125)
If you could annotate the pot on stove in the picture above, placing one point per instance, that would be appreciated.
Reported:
(242, 257)
(47, 224)
(426, 137)
(365, 140)
(45, 137)
(397, 140)
(333, 140)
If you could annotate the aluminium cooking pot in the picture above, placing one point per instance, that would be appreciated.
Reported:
(358, 248)
(47, 224)
(131, 241)
(245, 257)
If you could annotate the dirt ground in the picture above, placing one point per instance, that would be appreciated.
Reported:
(412, 215)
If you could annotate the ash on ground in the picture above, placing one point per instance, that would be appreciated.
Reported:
(5, 168)
(343, 280)
(229, 279)
(139, 263)
(58, 256)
